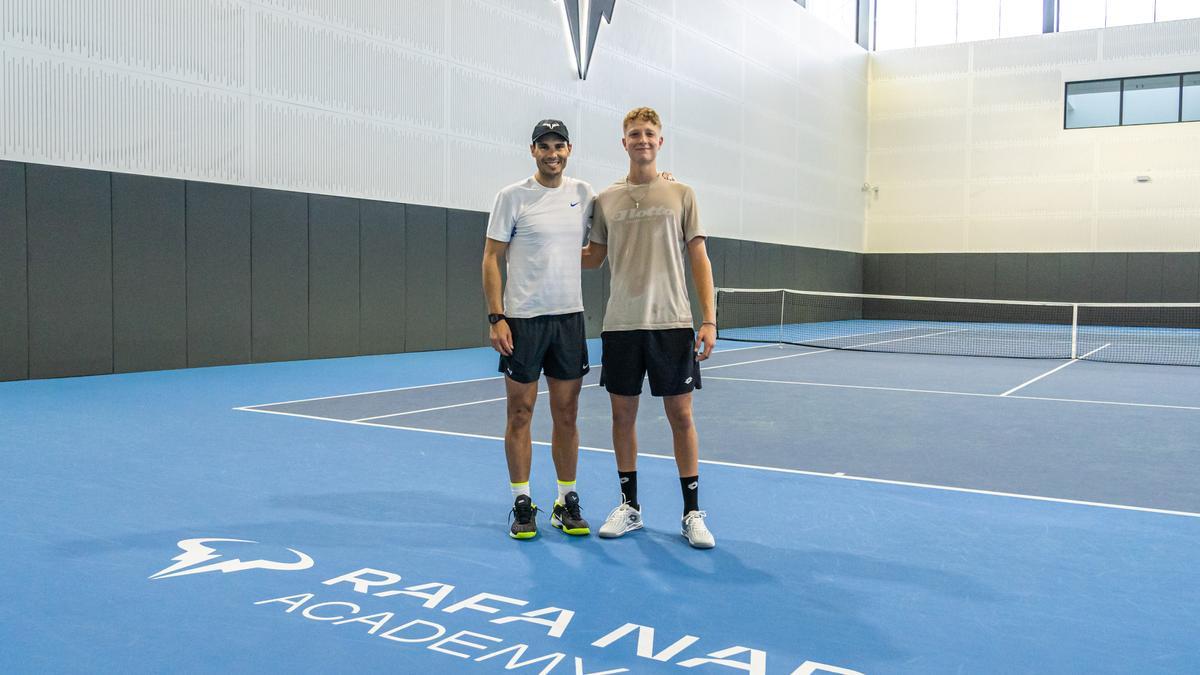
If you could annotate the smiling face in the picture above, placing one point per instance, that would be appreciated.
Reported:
(550, 153)
(642, 136)
(642, 141)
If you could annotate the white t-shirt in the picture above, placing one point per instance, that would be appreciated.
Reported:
(545, 229)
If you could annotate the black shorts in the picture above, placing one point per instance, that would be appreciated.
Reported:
(555, 343)
(668, 356)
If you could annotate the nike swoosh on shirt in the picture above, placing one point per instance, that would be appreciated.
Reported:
(575, 204)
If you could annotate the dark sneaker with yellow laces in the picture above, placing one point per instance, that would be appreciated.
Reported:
(523, 515)
(568, 518)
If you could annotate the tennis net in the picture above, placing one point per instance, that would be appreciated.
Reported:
(1154, 333)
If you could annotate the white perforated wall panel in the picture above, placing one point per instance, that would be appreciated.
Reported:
(968, 149)
(431, 101)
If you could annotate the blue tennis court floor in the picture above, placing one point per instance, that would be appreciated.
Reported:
(875, 513)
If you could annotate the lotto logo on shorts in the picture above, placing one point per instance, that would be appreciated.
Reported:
(688, 381)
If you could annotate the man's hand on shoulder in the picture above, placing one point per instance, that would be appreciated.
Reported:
(592, 255)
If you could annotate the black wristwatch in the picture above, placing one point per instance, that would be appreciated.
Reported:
(496, 318)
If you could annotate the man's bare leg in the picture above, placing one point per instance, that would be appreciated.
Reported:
(687, 460)
(627, 516)
(518, 447)
(624, 430)
(564, 409)
(683, 433)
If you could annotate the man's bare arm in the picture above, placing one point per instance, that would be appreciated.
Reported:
(706, 337)
(493, 291)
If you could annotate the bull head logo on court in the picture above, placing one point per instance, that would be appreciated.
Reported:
(195, 552)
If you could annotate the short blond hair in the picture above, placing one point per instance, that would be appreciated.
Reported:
(641, 115)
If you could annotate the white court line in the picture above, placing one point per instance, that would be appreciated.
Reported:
(742, 349)
(586, 386)
(773, 358)
(772, 469)
(911, 337)
(840, 337)
(1082, 400)
(1051, 372)
(256, 408)
(852, 386)
(870, 332)
(833, 349)
(502, 398)
(957, 393)
(377, 391)
(440, 407)
(442, 384)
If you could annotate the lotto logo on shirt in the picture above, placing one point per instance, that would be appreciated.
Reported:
(627, 214)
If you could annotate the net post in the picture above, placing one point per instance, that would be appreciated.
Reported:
(782, 304)
(1074, 331)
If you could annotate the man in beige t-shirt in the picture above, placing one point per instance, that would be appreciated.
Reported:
(645, 226)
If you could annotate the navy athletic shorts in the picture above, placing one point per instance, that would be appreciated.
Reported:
(553, 343)
(668, 356)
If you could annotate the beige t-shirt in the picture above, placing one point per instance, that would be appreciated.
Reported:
(646, 248)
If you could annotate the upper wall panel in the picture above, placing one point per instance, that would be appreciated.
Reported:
(201, 41)
(432, 102)
(411, 24)
(968, 150)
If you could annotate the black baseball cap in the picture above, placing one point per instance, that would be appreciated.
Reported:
(550, 127)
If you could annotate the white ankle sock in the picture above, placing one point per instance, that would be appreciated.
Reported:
(519, 489)
(563, 488)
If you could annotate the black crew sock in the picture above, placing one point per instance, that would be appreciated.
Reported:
(629, 488)
(691, 493)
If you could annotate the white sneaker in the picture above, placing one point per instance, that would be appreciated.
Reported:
(696, 532)
(623, 519)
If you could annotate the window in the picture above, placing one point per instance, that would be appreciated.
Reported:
(1150, 100)
(919, 23)
(1171, 10)
(1134, 100)
(895, 24)
(900, 24)
(936, 22)
(1129, 12)
(1093, 104)
(1191, 97)
(1084, 14)
(1080, 14)
(1020, 17)
(979, 20)
(841, 14)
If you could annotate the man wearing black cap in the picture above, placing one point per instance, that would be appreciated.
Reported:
(539, 226)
